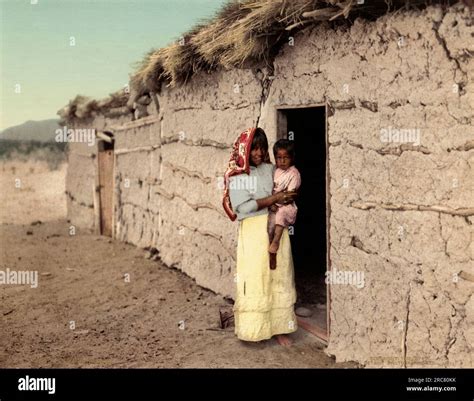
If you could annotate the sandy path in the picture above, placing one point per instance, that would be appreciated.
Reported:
(117, 323)
(82, 278)
(30, 191)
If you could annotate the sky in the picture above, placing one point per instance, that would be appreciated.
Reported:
(52, 50)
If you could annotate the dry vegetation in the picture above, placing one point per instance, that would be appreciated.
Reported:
(83, 107)
(51, 153)
(250, 31)
(31, 190)
(244, 32)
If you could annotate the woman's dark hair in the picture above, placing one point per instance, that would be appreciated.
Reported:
(260, 140)
(286, 144)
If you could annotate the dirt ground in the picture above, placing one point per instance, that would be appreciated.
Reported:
(30, 191)
(102, 303)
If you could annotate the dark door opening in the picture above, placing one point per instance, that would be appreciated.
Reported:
(307, 127)
(106, 186)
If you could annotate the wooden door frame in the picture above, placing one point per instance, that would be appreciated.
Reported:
(281, 129)
(100, 144)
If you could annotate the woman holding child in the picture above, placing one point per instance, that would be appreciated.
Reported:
(265, 296)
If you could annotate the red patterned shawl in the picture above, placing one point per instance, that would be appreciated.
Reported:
(239, 163)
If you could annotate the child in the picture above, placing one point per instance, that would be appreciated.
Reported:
(286, 178)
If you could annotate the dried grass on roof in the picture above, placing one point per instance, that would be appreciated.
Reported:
(249, 31)
(82, 107)
(242, 32)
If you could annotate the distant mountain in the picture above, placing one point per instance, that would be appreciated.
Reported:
(43, 131)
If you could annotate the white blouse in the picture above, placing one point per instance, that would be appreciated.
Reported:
(244, 189)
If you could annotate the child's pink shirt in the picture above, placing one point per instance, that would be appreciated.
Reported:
(286, 180)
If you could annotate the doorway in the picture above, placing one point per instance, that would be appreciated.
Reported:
(106, 186)
(309, 235)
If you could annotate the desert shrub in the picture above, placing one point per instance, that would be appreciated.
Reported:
(53, 153)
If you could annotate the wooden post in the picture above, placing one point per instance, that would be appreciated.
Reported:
(328, 226)
(95, 194)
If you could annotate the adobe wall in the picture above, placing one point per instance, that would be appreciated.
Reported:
(394, 206)
(80, 179)
(81, 175)
(385, 198)
(173, 198)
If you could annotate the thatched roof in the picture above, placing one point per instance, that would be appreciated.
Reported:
(242, 33)
(250, 31)
(82, 107)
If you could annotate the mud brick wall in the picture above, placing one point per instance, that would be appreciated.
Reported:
(173, 201)
(81, 176)
(136, 173)
(402, 214)
(80, 179)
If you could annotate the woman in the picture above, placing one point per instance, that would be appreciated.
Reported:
(264, 304)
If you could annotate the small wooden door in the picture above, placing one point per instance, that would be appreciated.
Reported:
(106, 183)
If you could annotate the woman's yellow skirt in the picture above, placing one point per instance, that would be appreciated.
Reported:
(264, 304)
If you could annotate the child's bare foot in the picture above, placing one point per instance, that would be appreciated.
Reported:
(273, 248)
(273, 261)
(284, 340)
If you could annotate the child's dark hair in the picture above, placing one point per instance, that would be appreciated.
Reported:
(260, 140)
(286, 144)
